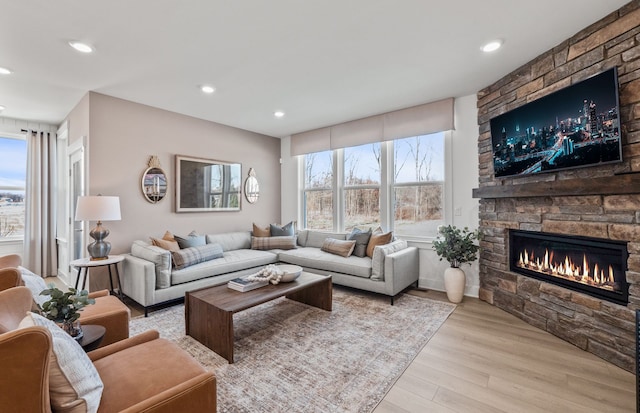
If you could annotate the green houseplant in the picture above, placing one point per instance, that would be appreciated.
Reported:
(64, 308)
(458, 247)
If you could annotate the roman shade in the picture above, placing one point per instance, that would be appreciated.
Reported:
(357, 132)
(316, 140)
(414, 121)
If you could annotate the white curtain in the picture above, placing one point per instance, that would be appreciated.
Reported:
(40, 233)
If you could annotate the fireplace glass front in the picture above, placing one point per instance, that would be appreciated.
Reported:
(592, 266)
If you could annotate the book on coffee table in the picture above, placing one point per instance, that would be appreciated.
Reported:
(242, 284)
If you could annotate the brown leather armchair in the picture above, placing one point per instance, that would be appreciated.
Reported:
(108, 311)
(140, 374)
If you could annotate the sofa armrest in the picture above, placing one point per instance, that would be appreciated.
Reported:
(401, 269)
(138, 279)
(123, 344)
(195, 395)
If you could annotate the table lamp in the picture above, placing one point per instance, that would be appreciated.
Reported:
(98, 208)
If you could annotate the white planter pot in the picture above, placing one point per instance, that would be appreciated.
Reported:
(454, 282)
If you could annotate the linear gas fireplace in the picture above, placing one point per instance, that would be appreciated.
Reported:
(593, 266)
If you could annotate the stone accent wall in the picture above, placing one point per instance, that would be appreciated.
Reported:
(599, 327)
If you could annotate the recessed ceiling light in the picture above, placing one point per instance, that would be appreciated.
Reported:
(278, 114)
(5, 71)
(2, 108)
(492, 46)
(208, 89)
(81, 47)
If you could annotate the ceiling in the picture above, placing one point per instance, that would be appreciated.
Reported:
(322, 62)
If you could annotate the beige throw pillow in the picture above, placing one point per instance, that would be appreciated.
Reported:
(338, 247)
(378, 238)
(260, 231)
(167, 242)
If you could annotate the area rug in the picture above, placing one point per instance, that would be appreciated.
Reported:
(291, 357)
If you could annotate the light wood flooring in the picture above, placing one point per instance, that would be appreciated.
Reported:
(485, 360)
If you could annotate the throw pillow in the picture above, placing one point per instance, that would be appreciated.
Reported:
(379, 255)
(282, 230)
(272, 243)
(74, 383)
(35, 284)
(167, 242)
(338, 247)
(261, 232)
(362, 240)
(195, 255)
(378, 238)
(191, 240)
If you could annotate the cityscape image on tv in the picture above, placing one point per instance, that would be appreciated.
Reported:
(573, 127)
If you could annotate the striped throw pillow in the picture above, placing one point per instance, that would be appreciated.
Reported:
(338, 247)
(272, 243)
(195, 255)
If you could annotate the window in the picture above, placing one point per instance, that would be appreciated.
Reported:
(362, 186)
(318, 191)
(13, 171)
(398, 185)
(418, 185)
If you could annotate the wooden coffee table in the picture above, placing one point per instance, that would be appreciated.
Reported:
(209, 311)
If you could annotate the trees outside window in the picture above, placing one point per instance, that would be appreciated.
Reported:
(418, 185)
(318, 191)
(362, 186)
(410, 180)
(13, 170)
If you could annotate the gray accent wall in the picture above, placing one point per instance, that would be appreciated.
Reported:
(122, 135)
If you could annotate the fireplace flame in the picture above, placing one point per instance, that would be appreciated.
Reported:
(567, 268)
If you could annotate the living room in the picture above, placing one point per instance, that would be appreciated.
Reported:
(119, 135)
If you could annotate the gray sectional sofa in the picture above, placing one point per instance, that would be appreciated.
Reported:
(149, 277)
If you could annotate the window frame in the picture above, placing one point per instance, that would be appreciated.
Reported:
(21, 137)
(386, 188)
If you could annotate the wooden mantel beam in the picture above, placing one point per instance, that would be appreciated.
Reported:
(611, 185)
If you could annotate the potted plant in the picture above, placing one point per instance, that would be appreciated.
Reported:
(456, 246)
(64, 308)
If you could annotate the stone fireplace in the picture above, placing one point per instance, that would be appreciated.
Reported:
(603, 202)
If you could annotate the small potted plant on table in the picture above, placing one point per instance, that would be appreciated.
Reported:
(64, 308)
(456, 246)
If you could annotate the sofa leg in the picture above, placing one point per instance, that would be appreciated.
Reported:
(146, 312)
(392, 300)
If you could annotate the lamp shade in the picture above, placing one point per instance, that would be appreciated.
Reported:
(98, 208)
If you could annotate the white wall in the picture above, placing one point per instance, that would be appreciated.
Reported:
(464, 176)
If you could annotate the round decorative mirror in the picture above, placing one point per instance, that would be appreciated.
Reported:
(251, 187)
(154, 182)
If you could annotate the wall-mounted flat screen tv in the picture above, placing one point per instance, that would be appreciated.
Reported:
(573, 127)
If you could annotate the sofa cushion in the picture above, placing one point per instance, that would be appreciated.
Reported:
(338, 247)
(260, 231)
(74, 383)
(282, 230)
(362, 240)
(231, 261)
(302, 237)
(231, 240)
(190, 256)
(378, 238)
(159, 256)
(271, 243)
(379, 254)
(191, 240)
(316, 258)
(316, 238)
(168, 242)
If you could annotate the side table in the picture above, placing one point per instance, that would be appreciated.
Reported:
(92, 337)
(86, 263)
